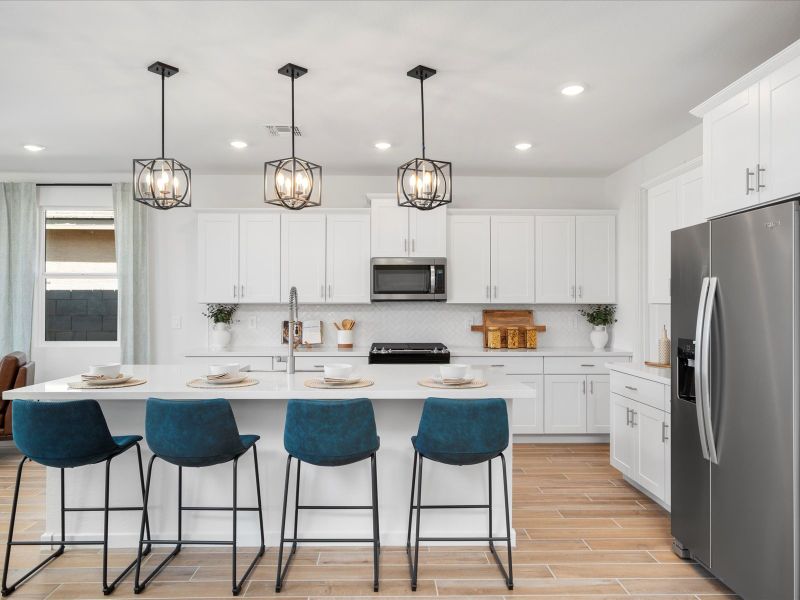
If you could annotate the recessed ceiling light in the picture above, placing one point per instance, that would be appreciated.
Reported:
(573, 89)
(383, 145)
(33, 147)
(523, 146)
(239, 144)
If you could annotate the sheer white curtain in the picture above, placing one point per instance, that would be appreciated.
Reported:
(17, 265)
(131, 224)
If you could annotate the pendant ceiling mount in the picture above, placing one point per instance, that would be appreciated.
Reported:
(293, 182)
(424, 183)
(162, 182)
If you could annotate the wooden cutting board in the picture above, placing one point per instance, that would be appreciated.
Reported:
(504, 319)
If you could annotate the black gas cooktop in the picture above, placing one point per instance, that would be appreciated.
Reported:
(408, 353)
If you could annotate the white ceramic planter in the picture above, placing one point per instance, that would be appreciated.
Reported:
(220, 336)
(599, 337)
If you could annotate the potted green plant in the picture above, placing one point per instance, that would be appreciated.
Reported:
(221, 315)
(600, 316)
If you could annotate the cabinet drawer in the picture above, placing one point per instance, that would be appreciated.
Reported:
(642, 390)
(569, 365)
(256, 363)
(510, 365)
(316, 363)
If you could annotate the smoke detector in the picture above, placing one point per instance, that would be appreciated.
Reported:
(282, 130)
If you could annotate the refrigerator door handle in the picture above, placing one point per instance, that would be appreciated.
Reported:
(709, 313)
(698, 367)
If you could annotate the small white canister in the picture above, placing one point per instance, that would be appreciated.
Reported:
(344, 338)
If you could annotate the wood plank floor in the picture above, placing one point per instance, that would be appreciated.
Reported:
(583, 534)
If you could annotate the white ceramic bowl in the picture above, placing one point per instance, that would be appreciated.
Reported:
(231, 369)
(106, 370)
(338, 371)
(453, 371)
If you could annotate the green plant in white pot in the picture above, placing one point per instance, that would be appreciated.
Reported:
(221, 315)
(600, 316)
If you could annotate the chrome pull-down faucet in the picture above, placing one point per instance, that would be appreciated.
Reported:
(292, 325)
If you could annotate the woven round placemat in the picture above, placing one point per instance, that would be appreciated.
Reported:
(82, 385)
(431, 383)
(201, 382)
(320, 384)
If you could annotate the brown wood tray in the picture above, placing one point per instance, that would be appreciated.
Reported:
(503, 319)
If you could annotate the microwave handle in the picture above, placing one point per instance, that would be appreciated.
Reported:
(433, 279)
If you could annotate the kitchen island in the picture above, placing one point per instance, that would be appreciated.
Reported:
(260, 409)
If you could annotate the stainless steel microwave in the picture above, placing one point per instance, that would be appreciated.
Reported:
(408, 279)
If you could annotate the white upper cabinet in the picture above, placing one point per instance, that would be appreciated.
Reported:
(259, 257)
(555, 259)
(730, 154)
(690, 198)
(427, 232)
(512, 259)
(595, 259)
(218, 258)
(468, 259)
(662, 211)
(780, 133)
(400, 231)
(348, 267)
(303, 256)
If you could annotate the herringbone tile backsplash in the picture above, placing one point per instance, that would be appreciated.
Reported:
(407, 322)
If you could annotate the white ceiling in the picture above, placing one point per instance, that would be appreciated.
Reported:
(74, 79)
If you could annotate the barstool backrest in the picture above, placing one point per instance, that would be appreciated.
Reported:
(192, 433)
(62, 434)
(464, 431)
(330, 432)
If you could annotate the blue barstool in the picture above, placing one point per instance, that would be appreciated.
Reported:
(64, 435)
(460, 432)
(329, 433)
(197, 433)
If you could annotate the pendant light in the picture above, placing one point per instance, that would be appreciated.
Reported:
(293, 182)
(162, 182)
(424, 183)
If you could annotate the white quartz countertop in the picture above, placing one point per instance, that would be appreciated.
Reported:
(364, 351)
(392, 382)
(656, 374)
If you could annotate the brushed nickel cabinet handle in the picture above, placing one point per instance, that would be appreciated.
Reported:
(591, 387)
(759, 171)
(495, 291)
(330, 291)
(630, 387)
(572, 291)
(584, 387)
(588, 365)
(413, 245)
(488, 295)
(633, 418)
(747, 175)
(627, 417)
(234, 290)
(664, 428)
(405, 244)
(241, 292)
(580, 291)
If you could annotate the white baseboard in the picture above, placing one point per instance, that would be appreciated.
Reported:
(549, 438)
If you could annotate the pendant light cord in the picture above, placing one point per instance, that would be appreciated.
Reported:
(422, 102)
(292, 77)
(162, 113)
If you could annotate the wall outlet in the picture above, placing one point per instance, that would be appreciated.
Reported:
(175, 322)
(252, 322)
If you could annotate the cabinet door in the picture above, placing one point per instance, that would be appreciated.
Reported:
(730, 154)
(595, 259)
(389, 228)
(565, 404)
(218, 257)
(690, 198)
(260, 257)
(668, 459)
(650, 467)
(303, 256)
(512, 259)
(348, 258)
(623, 441)
(427, 232)
(555, 259)
(780, 132)
(468, 259)
(598, 404)
(662, 211)
(528, 413)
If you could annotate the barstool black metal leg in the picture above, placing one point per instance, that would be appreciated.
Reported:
(296, 505)
(235, 588)
(281, 574)
(510, 579)
(106, 589)
(375, 528)
(411, 504)
(180, 509)
(415, 570)
(137, 586)
(258, 498)
(144, 507)
(491, 525)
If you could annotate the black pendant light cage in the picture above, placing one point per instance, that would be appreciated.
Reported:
(292, 182)
(162, 183)
(424, 183)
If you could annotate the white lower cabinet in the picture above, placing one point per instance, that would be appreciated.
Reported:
(528, 414)
(640, 437)
(597, 405)
(565, 403)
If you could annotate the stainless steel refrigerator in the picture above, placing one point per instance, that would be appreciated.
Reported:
(735, 399)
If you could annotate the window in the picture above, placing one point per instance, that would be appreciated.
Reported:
(79, 276)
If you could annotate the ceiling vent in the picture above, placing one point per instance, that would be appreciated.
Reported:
(283, 130)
